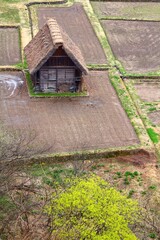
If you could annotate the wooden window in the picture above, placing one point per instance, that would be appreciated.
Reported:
(48, 79)
(52, 75)
(65, 75)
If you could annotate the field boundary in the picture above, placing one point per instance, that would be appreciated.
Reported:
(10, 26)
(79, 156)
(125, 1)
(127, 19)
(10, 69)
(143, 115)
(45, 2)
(141, 77)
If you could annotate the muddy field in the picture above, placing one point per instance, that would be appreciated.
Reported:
(155, 117)
(78, 27)
(135, 44)
(9, 50)
(149, 92)
(138, 10)
(93, 122)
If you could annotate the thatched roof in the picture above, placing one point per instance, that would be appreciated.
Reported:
(46, 42)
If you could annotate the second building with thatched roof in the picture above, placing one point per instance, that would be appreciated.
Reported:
(54, 61)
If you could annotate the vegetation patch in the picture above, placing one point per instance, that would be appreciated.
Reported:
(86, 199)
(129, 107)
(6, 205)
(153, 135)
(145, 109)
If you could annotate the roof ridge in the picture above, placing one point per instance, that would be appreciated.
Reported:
(49, 38)
(55, 32)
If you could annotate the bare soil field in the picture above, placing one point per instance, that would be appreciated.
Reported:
(138, 10)
(76, 23)
(135, 43)
(149, 92)
(155, 117)
(9, 50)
(69, 124)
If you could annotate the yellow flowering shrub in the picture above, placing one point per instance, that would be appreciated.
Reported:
(91, 209)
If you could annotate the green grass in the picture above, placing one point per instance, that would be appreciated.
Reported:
(9, 15)
(148, 74)
(38, 170)
(150, 107)
(143, 109)
(52, 174)
(5, 206)
(65, 94)
(152, 235)
(130, 107)
(153, 135)
(98, 66)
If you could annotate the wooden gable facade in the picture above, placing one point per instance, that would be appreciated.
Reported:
(59, 74)
(55, 62)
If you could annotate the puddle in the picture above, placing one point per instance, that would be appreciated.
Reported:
(10, 85)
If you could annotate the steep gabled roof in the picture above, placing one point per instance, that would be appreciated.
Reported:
(46, 42)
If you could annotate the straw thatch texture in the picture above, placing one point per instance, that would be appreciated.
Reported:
(45, 43)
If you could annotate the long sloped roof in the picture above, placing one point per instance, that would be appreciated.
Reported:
(45, 43)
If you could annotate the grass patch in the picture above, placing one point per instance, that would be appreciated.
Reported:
(52, 175)
(66, 94)
(148, 74)
(38, 170)
(153, 135)
(9, 14)
(5, 206)
(150, 106)
(98, 66)
(130, 107)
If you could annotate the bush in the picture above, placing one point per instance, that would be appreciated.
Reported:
(91, 209)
